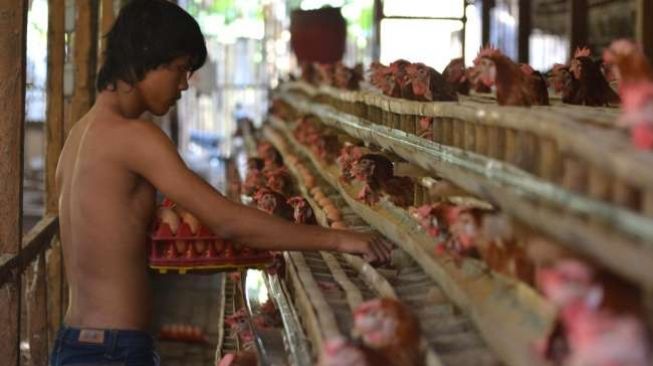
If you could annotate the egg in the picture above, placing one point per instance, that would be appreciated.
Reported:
(167, 215)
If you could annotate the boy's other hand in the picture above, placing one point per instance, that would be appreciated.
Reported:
(373, 247)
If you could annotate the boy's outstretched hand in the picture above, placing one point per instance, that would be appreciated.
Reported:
(373, 247)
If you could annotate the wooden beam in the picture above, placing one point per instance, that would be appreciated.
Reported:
(376, 39)
(37, 314)
(578, 24)
(13, 32)
(524, 31)
(85, 57)
(644, 26)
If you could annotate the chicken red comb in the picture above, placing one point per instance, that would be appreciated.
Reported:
(487, 51)
(582, 52)
(295, 200)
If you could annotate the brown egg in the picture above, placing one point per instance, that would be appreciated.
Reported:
(326, 201)
(332, 213)
(319, 195)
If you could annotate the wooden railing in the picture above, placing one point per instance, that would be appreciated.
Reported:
(37, 267)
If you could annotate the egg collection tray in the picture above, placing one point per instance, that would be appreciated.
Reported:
(183, 252)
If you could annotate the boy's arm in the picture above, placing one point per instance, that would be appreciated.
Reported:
(152, 155)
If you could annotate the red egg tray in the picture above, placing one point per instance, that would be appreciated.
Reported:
(203, 252)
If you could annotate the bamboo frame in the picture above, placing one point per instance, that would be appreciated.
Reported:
(488, 298)
(13, 32)
(623, 243)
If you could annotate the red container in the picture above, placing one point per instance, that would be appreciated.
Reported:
(318, 35)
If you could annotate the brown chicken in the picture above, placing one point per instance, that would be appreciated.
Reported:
(588, 86)
(635, 76)
(341, 352)
(302, 211)
(426, 84)
(377, 172)
(513, 86)
(389, 327)
(456, 76)
(349, 154)
(325, 73)
(347, 78)
(273, 203)
(279, 180)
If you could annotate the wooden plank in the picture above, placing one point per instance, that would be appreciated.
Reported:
(54, 125)
(644, 26)
(85, 57)
(13, 32)
(37, 318)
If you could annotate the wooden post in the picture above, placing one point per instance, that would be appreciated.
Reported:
(37, 314)
(644, 26)
(376, 40)
(107, 16)
(54, 142)
(85, 56)
(525, 26)
(486, 21)
(578, 26)
(13, 32)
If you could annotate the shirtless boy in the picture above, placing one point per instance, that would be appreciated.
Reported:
(110, 168)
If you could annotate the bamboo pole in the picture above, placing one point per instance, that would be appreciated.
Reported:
(107, 16)
(644, 26)
(37, 314)
(85, 58)
(54, 127)
(13, 32)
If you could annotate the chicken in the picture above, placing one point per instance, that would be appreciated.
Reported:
(502, 251)
(463, 232)
(309, 73)
(255, 177)
(241, 358)
(377, 172)
(349, 154)
(426, 84)
(474, 76)
(635, 76)
(340, 352)
(537, 83)
(425, 128)
(456, 76)
(302, 211)
(347, 78)
(514, 87)
(270, 155)
(392, 80)
(583, 82)
(273, 203)
(325, 146)
(325, 73)
(279, 180)
(389, 327)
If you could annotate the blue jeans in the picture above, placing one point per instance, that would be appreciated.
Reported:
(75, 346)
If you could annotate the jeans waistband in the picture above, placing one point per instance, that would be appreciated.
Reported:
(107, 337)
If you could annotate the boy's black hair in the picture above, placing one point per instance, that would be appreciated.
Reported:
(146, 35)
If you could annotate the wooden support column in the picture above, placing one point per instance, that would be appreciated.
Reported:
(37, 314)
(644, 26)
(13, 32)
(376, 40)
(54, 142)
(107, 16)
(85, 57)
(524, 31)
(485, 21)
(578, 25)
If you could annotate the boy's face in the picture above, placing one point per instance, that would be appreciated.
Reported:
(161, 88)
